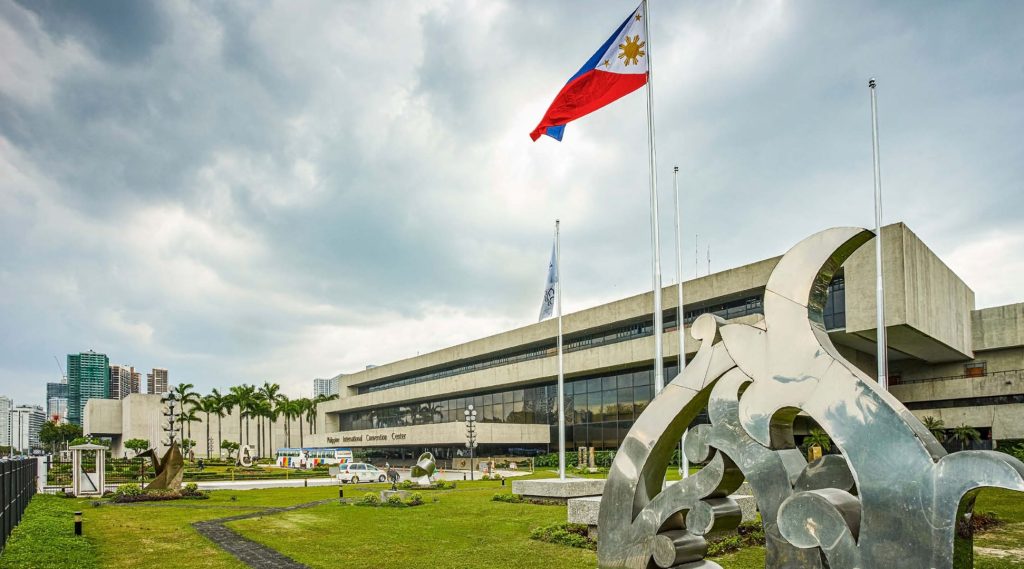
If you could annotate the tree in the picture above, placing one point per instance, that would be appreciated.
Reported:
(57, 435)
(317, 401)
(210, 405)
(137, 445)
(229, 446)
(284, 409)
(183, 392)
(227, 403)
(964, 434)
(271, 393)
(819, 438)
(301, 412)
(241, 396)
(936, 426)
(187, 417)
(187, 445)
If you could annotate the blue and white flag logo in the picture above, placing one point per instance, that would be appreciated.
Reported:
(547, 305)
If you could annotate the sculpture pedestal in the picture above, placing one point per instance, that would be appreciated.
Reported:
(556, 491)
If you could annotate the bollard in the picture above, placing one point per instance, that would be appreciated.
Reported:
(463, 476)
(305, 482)
(78, 523)
(341, 491)
(502, 481)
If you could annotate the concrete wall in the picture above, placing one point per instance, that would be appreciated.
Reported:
(1004, 420)
(927, 306)
(998, 327)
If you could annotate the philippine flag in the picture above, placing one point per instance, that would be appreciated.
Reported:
(618, 68)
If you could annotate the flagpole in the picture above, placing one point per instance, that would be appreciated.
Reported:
(659, 372)
(561, 369)
(684, 464)
(883, 366)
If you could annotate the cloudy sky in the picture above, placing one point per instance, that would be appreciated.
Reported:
(279, 191)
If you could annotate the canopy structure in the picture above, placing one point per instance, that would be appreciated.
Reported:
(88, 482)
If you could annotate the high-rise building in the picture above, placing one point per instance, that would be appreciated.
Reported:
(26, 422)
(57, 401)
(136, 381)
(6, 404)
(120, 381)
(322, 386)
(156, 381)
(88, 378)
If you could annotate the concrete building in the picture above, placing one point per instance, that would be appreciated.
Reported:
(6, 406)
(136, 382)
(328, 386)
(57, 401)
(156, 381)
(140, 416)
(26, 422)
(947, 359)
(88, 378)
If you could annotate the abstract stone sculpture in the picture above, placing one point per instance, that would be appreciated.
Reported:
(893, 498)
(169, 471)
(424, 468)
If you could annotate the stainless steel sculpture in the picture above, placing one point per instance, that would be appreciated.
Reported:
(894, 498)
(424, 468)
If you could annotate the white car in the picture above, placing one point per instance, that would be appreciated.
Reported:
(356, 472)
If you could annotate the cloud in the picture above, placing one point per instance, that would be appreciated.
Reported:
(281, 191)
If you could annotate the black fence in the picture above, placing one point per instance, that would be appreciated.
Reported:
(17, 486)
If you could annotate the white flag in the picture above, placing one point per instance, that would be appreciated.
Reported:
(548, 304)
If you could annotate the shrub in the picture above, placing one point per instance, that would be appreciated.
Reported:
(485, 477)
(370, 499)
(394, 501)
(415, 500)
(127, 490)
(443, 484)
(505, 497)
(573, 535)
(406, 484)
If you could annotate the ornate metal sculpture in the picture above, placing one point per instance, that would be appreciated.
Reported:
(894, 498)
(171, 469)
(424, 468)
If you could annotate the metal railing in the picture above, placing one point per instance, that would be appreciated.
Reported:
(17, 486)
(901, 381)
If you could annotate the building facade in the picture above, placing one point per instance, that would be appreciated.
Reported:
(124, 380)
(57, 401)
(948, 360)
(325, 387)
(88, 378)
(156, 381)
(26, 422)
(6, 406)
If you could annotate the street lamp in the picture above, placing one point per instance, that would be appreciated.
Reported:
(470, 413)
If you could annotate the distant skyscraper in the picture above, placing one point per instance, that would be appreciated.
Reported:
(156, 382)
(325, 386)
(6, 404)
(88, 378)
(136, 381)
(26, 422)
(120, 381)
(57, 401)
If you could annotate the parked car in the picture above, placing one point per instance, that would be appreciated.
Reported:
(356, 472)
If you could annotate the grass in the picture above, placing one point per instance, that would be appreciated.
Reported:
(463, 528)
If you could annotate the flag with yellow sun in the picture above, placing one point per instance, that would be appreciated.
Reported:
(618, 68)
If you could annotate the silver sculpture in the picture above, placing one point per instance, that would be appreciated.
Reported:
(424, 468)
(893, 498)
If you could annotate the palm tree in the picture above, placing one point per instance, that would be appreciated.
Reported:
(317, 401)
(229, 403)
(241, 396)
(208, 405)
(187, 417)
(963, 434)
(302, 412)
(284, 409)
(818, 437)
(271, 391)
(936, 426)
(262, 410)
(183, 392)
(218, 406)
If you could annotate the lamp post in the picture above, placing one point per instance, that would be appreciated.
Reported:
(470, 413)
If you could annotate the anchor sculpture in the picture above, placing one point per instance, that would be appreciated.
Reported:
(893, 498)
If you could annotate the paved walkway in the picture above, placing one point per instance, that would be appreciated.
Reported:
(247, 551)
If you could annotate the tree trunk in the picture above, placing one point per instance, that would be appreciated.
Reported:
(220, 451)
(207, 435)
(300, 432)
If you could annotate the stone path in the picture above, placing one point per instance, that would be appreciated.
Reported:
(247, 551)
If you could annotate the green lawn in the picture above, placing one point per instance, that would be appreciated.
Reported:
(462, 529)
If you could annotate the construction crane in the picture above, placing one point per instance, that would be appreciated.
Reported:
(63, 377)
